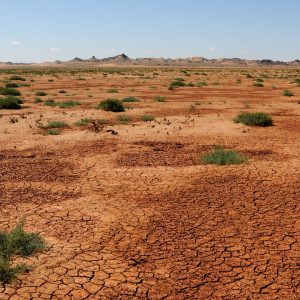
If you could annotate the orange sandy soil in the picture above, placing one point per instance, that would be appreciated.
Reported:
(136, 215)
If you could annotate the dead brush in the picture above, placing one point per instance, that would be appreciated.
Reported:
(96, 126)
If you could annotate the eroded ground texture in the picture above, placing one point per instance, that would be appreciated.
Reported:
(137, 215)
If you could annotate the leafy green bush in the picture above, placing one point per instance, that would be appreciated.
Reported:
(41, 93)
(10, 103)
(287, 93)
(147, 118)
(219, 156)
(113, 105)
(254, 119)
(130, 99)
(9, 91)
(17, 242)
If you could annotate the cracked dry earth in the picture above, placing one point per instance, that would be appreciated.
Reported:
(137, 216)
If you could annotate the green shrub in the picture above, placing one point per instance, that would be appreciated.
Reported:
(219, 156)
(17, 78)
(9, 91)
(10, 103)
(53, 131)
(238, 81)
(160, 99)
(62, 91)
(11, 85)
(41, 93)
(254, 119)
(130, 99)
(147, 118)
(112, 90)
(67, 104)
(83, 122)
(177, 83)
(13, 243)
(50, 102)
(259, 80)
(287, 93)
(124, 119)
(38, 100)
(113, 105)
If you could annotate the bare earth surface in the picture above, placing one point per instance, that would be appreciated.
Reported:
(137, 215)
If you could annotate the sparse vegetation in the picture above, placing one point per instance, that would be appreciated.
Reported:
(219, 156)
(113, 105)
(254, 119)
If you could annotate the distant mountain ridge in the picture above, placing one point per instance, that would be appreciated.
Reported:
(124, 60)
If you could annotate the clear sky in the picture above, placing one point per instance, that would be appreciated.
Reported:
(43, 30)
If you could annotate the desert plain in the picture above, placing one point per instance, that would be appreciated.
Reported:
(126, 206)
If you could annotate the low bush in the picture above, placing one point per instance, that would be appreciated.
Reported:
(130, 99)
(9, 91)
(83, 122)
(287, 93)
(17, 243)
(124, 119)
(258, 84)
(220, 156)
(15, 77)
(112, 90)
(11, 85)
(41, 93)
(56, 124)
(160, 99)
(147, 118)
(113, 105)
(10, 103)
(67, 104)
(254, 119)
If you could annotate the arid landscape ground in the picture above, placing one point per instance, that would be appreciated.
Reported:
(125, 205)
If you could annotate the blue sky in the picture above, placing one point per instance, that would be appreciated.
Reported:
(43, 30)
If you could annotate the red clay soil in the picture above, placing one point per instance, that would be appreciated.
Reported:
(137, 215)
